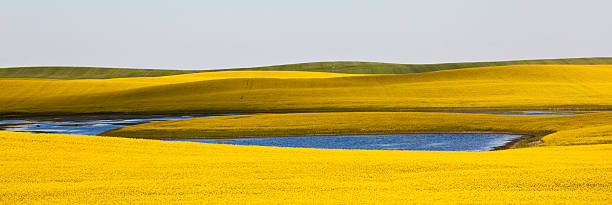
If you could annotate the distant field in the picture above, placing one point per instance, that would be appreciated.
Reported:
(593, 128)
(46, 168)
(391, 68)
(334, 67)
(68, 73)
(503, 87)
(31, 89)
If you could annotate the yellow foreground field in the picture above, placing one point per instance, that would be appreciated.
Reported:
(46, 168)
(503, 87)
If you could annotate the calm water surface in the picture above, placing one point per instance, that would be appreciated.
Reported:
(432, 142)
(93, 127)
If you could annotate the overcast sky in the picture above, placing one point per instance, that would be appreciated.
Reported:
(224, 33)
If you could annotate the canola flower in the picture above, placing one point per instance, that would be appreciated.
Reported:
(502, 87)
(17, 91)
(49, 168)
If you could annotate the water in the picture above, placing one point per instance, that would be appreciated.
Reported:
(549, 112)
(429, 142)
(93, 127)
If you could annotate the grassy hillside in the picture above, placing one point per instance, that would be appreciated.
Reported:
(505, 87)
(390, 68)
(46, 168)
(594, 128)
(85, 72)
(334, 67)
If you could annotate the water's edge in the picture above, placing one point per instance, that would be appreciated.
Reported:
(478, 139)
(117, 121)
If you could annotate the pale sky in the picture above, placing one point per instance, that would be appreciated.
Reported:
(191, 34)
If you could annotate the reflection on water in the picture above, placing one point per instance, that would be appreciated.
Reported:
(94, 127)
(431, 142)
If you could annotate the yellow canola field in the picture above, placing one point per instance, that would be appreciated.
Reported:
(503, 87)
(30, 90)
(587, 135)
(46, 168)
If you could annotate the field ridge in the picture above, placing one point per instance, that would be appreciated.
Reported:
(354, 67)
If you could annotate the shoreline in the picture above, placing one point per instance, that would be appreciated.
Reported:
(511, 144)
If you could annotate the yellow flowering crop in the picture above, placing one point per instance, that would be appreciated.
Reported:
(47, 168)
(16, 92)
(503, 87)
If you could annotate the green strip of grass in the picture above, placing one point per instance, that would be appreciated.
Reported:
(335, 67)
(390, 68)
(70, 73)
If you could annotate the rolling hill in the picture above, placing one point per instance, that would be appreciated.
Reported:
(68, 73)
(390, 68)
(502, 87)
(334, 67)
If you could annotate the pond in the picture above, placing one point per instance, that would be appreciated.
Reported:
(94, 125)
(429, 142)
(87, 125)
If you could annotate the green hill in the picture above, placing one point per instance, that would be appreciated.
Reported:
(334, 67)
(390, 68)
(69, 73)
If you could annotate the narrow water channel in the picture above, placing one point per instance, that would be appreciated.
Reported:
(78, 127)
